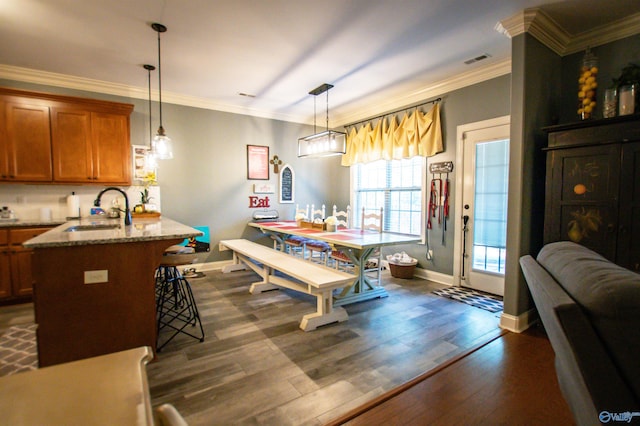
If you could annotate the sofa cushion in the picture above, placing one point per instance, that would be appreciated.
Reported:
(610, 296)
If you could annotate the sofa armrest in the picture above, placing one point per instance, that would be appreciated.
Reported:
(588, 378)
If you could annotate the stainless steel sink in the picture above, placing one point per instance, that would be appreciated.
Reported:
(93, 227)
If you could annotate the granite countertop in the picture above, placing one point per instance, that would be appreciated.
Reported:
(140, 230)
(14, 223)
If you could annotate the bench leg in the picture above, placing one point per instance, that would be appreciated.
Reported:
(326, 313)
(265, 284)
(235, 266)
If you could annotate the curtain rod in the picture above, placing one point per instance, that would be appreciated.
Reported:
(434, 101)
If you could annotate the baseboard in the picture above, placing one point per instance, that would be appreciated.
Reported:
(208, 266)
(436, 277)
(520, 323)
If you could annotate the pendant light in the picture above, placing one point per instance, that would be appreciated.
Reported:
(150, 161)
(325, 143)
(161, 142)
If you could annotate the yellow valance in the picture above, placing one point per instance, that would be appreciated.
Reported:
(416, 134)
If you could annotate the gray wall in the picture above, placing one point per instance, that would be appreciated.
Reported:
(612, 57)
(483, 101)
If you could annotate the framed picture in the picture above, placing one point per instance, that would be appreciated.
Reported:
(138, 158)
(257, 162)
(287, 184)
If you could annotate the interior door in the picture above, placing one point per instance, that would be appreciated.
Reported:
(484, 208)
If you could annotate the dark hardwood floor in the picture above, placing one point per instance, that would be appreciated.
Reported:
(510, 380)
(257, 367)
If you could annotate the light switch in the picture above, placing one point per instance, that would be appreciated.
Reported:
(94, 277)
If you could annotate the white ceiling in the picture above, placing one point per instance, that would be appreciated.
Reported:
(379, 54)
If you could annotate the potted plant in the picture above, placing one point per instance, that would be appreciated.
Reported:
(145, 199)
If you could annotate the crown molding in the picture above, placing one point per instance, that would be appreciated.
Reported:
(540, 25)
(437, 89)
(46, 78)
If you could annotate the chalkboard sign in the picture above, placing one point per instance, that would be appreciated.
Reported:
(287, 184)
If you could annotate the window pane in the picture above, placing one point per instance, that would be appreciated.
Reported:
(396, 186)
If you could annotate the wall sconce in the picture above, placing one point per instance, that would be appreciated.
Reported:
(323, 144)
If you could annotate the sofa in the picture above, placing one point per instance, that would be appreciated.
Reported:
(590, 309)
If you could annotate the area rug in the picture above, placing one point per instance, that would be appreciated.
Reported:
(484, 301)
(18, 349)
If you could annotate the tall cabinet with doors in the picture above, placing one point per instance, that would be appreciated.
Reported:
(593, 187)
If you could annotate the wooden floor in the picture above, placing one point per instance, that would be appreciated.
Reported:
(511, 380)
(257, 367)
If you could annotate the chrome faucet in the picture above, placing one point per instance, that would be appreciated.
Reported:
(127, 211)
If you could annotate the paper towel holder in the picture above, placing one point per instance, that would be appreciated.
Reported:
(73, 207)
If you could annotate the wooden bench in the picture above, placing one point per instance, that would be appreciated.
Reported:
(306, 277)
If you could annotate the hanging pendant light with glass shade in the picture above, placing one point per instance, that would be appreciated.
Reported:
(150, 160)
(325, 143)
(161, 142)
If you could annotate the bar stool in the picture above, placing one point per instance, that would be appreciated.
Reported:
(175, 305)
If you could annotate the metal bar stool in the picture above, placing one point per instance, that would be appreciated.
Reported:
(175, 305)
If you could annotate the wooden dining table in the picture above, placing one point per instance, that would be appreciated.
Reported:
(357, 244)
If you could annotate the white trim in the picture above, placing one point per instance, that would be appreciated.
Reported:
(436, 277)
(476, 75)
(520, 323)
(548, 32)
(28, 75)
(457, 228)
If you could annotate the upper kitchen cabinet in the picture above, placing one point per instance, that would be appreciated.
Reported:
(72, 141)
(25, 144)
(90, 146)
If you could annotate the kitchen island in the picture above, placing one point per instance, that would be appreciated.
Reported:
(94, 290)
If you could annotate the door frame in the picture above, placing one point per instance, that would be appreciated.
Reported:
(458, 235)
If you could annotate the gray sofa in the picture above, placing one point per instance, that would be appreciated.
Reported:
(590, 309)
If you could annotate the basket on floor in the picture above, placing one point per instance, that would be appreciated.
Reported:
(402, 270)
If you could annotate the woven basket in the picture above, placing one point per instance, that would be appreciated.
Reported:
(402, 270)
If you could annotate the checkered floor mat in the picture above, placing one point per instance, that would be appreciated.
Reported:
(484, 301)
(18, 350)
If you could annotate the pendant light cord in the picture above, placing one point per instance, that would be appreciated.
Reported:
(150, 131)
(159, 79)
(327, 110)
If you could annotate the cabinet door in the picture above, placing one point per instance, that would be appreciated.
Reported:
(582, 197)
(5, 265)
(71, 145)
(28, 142)
(21, 258)
(111, 148)
(629, 225)
(4, 145)
(5, 273)
(21, 275)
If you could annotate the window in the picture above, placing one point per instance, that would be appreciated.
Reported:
(396, 186)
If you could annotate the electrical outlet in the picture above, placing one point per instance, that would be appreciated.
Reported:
(95, 277)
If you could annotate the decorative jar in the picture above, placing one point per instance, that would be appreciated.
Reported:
(587, 85)
(628, 94)
(610, 103)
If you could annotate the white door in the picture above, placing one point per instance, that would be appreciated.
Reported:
(485, 178)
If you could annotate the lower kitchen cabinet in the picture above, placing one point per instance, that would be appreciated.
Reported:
(16, 279)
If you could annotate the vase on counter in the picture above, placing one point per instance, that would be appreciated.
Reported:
(587, 85)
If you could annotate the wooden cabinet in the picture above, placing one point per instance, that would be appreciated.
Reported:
(16, 279)
(593, 187)
(25, 147)
(90, 147)
(61, 139)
